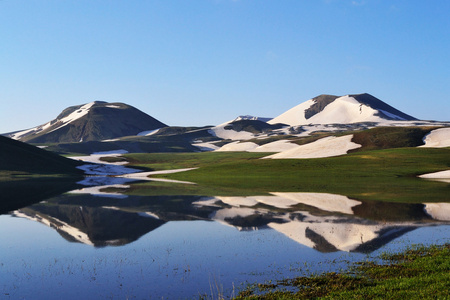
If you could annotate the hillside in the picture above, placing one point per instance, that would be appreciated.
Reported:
(29, 175)
(93, 121)
(24, 159)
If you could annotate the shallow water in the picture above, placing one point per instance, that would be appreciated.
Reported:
(84, 246)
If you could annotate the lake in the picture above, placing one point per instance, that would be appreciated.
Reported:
(130, 241)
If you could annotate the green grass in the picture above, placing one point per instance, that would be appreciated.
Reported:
(386, 175)
(417, 273)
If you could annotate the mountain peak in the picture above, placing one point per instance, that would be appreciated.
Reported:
(93, 121)
(331, 109)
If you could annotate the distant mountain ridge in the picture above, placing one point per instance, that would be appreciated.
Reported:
(94, 121)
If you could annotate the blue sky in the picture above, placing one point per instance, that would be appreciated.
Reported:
(203, 62)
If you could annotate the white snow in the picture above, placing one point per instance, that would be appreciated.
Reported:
(437, 175)
(82, 111)
(206, 146)
(438, 138)
(253, 118)
(145, 175)
(113, 106)
(238, 146)
(96, 156)
(438, 211)
(343, 110)
(325, 147)
(295, 115)
(277, 146)
(323, 201)
(60, 225)
(148, 132)
(97, 191)
(147, 214)
(223, 133)
(443, 176)
(392, 115)
(343, 236)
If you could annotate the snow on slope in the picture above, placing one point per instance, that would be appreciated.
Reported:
(343, 110)
(237, 146)
(277, 146)
(325, 147)
(294, 116)
(82, 111)
(437, 138)
(220, 132)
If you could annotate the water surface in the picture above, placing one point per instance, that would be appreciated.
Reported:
(108, 243)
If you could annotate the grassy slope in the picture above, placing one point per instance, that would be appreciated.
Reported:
(387, 175)
(418, 273)
(29, 174)
(17, 158)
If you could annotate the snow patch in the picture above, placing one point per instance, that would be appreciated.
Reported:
(437, 138)
(228, 134)
(97, 191)
(148, 132)
(206, 146)
(277, 146)
(237, 146)
(390, 115)
(325, 147)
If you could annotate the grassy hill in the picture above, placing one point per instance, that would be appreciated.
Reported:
(29, 175)
(17, 158)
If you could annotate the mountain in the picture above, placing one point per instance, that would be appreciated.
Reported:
(330, 109)
(93, 121)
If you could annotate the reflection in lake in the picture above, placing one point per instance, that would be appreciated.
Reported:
(177, 246)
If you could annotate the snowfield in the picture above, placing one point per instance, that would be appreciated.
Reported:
(325, 147)
(437, 138)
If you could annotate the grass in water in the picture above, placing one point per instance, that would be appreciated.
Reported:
(417, 273)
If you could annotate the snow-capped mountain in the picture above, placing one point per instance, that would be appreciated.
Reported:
(329, 109)
(90, 122)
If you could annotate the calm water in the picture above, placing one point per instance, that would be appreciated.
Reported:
(113, 245)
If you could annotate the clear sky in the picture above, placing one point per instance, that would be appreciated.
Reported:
(204, 62)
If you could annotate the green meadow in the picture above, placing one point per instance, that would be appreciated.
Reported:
(381, 175)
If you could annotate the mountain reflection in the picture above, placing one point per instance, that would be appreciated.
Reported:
(325, 222)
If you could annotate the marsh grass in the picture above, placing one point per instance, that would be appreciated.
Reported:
(417, 273)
